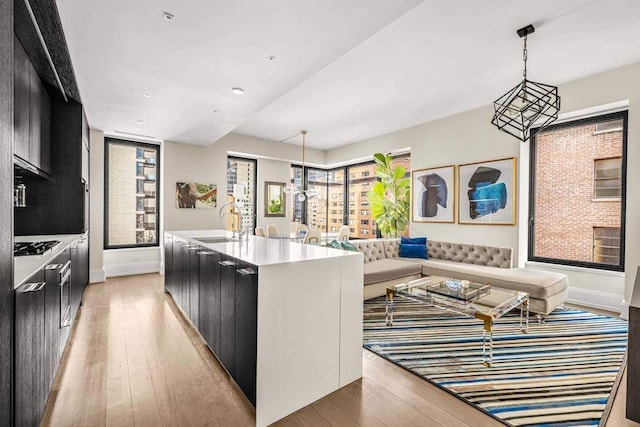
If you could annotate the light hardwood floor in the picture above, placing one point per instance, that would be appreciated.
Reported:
(132, 359)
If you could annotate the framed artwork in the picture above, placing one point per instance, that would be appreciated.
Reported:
(192, 195)
(487, 193)
(275, 201)
(433, 194)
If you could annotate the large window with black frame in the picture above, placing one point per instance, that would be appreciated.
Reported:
(342, 198)
(132, 188)
(577, 193)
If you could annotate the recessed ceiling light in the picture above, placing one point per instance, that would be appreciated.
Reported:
(168, 16)
(146, 95)
(140, 122)
(237, 90)
(271, 58)
(215, 111)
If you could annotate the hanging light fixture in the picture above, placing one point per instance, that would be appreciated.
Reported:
(300, 193)
(527, 105)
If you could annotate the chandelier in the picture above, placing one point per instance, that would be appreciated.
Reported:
(301, 193)
(528, 105)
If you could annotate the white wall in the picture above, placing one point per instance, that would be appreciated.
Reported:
(96, 206)
(186, 163)
(469, 137)
(274, 171)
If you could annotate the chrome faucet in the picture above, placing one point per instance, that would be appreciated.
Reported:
(238, 232)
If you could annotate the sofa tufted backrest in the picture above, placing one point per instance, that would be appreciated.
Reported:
(470, 254)
(375, 249)
(372, 249)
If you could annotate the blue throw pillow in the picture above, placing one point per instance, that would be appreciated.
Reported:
(408, 250)
(413, 240)
(348, 247)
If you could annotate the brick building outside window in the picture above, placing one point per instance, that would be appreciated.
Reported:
(577, 193)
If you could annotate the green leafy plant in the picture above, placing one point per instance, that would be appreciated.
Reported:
(389, 197)
(275, 206)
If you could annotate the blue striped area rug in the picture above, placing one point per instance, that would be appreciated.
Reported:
(563, 372)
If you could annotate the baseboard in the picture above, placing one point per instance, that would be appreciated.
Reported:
(132, 268)
(97, 275)
(595, 299)
(624, 311)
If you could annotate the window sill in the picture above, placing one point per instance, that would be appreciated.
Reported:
(607, 199)
(534, 264)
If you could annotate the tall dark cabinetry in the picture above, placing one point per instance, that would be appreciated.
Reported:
(65, 196)
(6, 209)
(31, 396)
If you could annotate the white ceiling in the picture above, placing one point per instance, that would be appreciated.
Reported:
(345, 70)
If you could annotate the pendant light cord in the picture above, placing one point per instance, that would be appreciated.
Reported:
(524, 58)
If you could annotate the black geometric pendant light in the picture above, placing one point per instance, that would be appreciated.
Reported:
(527, 105)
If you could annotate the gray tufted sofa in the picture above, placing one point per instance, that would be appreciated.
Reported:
(484, 264)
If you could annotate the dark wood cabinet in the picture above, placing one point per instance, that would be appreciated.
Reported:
(31, 387)
(209, 304)
(32, 113)
(194, 285)
(168, 263)
(55, 336)
(219, 294)
(62, 201)
(227, 313)
(79, 272)
(21, 97)
(246, 345)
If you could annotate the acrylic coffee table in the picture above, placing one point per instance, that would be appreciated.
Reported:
(484, 302)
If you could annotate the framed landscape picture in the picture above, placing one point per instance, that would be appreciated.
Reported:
(487, 192)
(275, 200)
(192, 195)
(433, 194)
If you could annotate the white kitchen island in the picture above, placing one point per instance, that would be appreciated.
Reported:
(309, 313)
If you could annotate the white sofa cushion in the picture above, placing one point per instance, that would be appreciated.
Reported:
(389, 269)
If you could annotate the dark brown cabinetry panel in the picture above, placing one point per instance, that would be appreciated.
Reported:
(22, 79)
(219, 294)
(32, 113)
(6, 210)
(210, 299)
(246, 307)
(31, 392)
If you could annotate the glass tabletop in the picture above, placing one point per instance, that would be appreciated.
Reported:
(471, 298)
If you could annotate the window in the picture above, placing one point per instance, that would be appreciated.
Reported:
(296, 206)
(610, 126)
(577, 193)
(606, 245)
(241, 189)
(336, 192)
(131, 194)
(608, 178)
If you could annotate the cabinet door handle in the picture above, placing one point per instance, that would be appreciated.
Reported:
(207, 253)
(227, 263)
(247, 271)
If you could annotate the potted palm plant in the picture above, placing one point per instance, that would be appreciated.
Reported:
(389, 197)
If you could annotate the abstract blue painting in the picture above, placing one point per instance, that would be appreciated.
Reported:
(488, 196)
(432, 194)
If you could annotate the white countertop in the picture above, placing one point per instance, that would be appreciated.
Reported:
(262, 251)
(25, 266)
